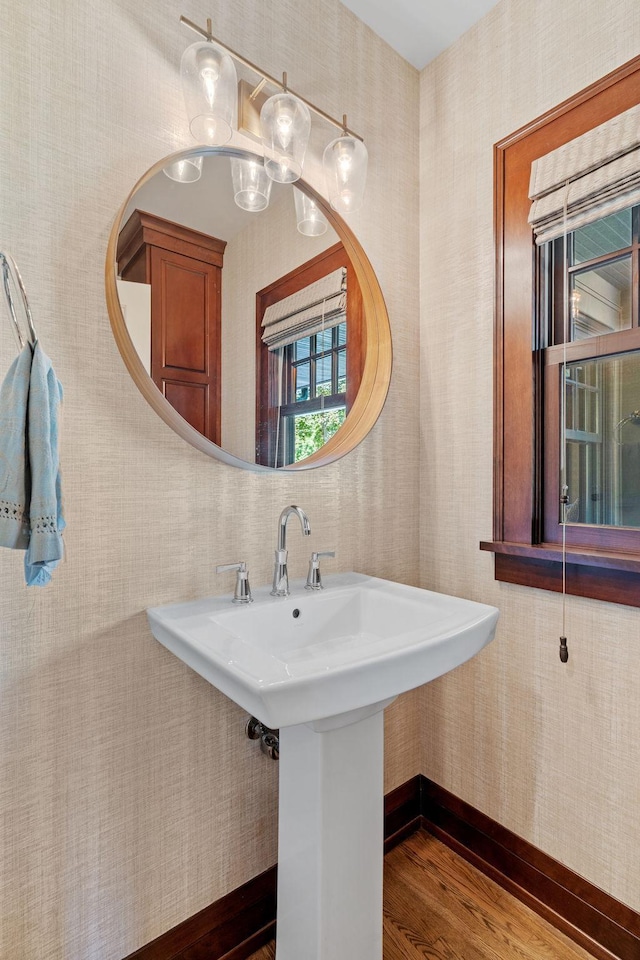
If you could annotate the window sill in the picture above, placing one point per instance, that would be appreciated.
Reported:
(602, 575)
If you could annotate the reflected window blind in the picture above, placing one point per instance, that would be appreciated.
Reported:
(599, 173)
(318, 306)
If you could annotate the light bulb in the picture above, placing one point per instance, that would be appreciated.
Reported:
(209, 62)
(344, 163)
(284, 126)
(209, 78)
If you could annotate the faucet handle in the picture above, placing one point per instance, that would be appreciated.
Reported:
(242, 592)
(314, 580)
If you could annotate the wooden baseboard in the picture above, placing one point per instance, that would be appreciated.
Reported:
(240, 923)
(402, 812)
(596, 921)
(233, 927)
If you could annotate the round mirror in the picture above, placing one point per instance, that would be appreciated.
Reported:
(247, 312)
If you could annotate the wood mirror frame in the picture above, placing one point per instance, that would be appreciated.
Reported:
(376, 368)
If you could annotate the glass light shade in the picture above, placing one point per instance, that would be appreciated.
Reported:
(210, 88)
(285, 124)
(345, 170)
(311, 220)
(187, 170)
(251, 185)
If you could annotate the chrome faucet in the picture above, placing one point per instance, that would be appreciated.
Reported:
(280, 573)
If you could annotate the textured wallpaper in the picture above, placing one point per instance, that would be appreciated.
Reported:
(129, 797)
(550, 751)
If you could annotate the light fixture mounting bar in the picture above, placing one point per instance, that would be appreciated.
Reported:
(267, 78)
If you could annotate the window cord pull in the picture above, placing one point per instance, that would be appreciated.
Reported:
(564, 650)
(564, 500)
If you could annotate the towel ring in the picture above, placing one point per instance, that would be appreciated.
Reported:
(11, 274)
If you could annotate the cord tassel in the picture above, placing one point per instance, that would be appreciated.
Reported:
(564, 650)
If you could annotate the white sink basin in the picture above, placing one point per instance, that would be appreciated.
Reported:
(353, 646)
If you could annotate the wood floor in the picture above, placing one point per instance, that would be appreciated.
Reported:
(439, 907)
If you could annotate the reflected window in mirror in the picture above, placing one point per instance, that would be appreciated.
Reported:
(308, 364)
(314, 379)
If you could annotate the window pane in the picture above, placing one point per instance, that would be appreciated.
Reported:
(302, 375)
(342, 370)
(323, 376)
(602, 237)
(302, 348)
(601, 300)
(342, 334)
(603, 441)
(323, 340)
(312, 430)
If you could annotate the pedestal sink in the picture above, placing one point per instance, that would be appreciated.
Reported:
(321, 667)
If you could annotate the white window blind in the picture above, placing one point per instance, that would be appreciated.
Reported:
(318, 306)
(595, 175)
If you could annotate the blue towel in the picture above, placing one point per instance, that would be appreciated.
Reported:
(30, 490)
(14, 397)
(46, 522)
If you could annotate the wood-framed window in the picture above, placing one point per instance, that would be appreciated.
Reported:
(602, 554)
(320, 372)
(595, 347)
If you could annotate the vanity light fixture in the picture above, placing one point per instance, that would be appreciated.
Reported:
(187, 170)
(251, 185)
(310, 219)
(285, 121)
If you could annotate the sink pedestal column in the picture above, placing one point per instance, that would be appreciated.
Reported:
(331, 842)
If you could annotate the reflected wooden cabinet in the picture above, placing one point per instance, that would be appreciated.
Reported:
(184, 270)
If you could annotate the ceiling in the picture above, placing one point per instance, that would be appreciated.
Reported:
(419, 29)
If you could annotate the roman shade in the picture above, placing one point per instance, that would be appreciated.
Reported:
(318, 306)
(594, 175)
